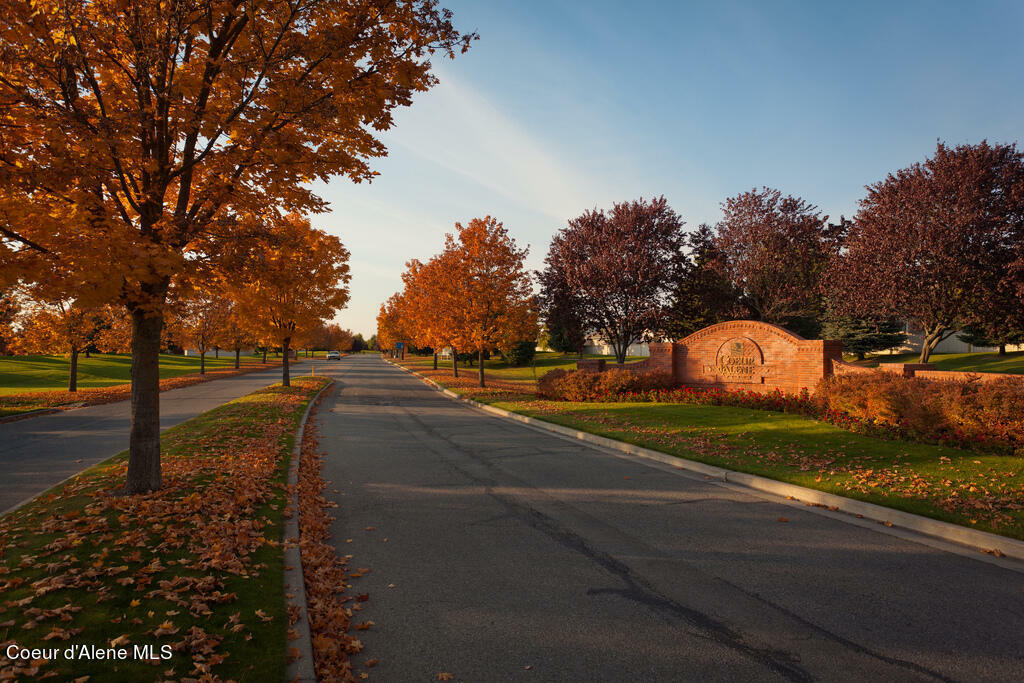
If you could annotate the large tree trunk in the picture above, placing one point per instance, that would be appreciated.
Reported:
(481, 358)
(73, 371)
(286, 379)
(435, 361)
(264, 355)
(238, 354)
(455, 362)
(202, 361)
(216, 352)
(1002, 350)
(144, 441)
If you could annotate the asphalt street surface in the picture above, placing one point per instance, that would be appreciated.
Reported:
(37, 453)
(499, 552)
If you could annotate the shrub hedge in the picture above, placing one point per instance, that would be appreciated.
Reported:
(984, 416)
(967, 414)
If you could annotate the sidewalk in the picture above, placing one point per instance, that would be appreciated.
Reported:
(40, 452)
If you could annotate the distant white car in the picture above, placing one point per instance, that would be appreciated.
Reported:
(333, 355)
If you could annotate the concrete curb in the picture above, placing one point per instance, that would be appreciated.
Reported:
(29, 413)
(992, 545)
(302, 669)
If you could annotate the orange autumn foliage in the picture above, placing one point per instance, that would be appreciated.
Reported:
(134, 133)
(295, 283)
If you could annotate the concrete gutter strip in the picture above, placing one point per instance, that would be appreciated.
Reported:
(303, 669)
(993, 546)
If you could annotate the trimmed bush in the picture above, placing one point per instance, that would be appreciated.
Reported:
(574, 385)
(966, 414)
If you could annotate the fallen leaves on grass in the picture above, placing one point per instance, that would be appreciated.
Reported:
(184, 551)
(991, 494)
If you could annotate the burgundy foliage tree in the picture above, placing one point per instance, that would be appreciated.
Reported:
(621, 265)
(774, 250)
(934, 243)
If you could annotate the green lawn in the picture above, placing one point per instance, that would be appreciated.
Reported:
(980, 491)
(545, 361)
(197, 565)
(1012, 363)
(47, 373)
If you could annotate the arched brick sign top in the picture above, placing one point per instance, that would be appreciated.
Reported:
(746, 354)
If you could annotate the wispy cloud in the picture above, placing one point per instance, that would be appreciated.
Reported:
(459, 129)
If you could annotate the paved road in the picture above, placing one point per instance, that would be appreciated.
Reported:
(499, 552)
(37, 453)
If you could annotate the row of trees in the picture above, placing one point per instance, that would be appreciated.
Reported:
(938, 245)
(204, 320)
(475, 296)
(158, 145)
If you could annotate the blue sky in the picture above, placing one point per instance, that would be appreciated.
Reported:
(566, 106)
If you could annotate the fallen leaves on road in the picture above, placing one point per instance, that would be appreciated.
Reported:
(325, 574)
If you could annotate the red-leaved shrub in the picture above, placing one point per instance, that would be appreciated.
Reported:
(574, 385)
(966, 414)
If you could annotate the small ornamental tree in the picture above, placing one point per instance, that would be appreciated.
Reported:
(62, 326)
(933, 244)
(294, 284)
(773, 251)
(497, 307)
(621, 265)
(129, 129)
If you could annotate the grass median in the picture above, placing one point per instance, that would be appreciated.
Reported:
(196, 567)
(980, 491)
(175, 373)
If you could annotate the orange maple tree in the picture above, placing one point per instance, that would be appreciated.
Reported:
(331, 337)
(293, 284)
(133, 130)
(63, 326)
(393, 323)
(203, 315)
(236, 331)
(497, 307)
(434, 310)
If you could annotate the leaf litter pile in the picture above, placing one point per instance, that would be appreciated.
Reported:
(324, 573)
(196, 566)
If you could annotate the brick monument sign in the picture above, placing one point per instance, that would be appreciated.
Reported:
(744, 354)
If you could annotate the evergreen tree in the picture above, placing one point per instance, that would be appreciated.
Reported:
(861, 335)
